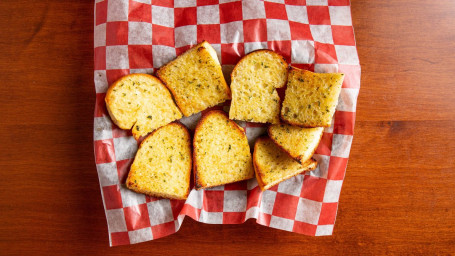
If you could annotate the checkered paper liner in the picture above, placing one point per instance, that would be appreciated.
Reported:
(139, 36)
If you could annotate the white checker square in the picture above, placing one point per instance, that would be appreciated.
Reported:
(330, 129)
(125, 148)
(117, 57)
(281, 223)
(253, 212)
(195, 198)
(98, 1)
(184, 3)
(144, 1)
(107, 174)
(348, 99)
(102, 128)
(252, 133)
(308, 211)
(278, 30)
(291, 186)
(297, 13)
(251, 183)
(217, 48)
(160, 212)
(332, 191)
(163, 16)
(100, 35)
(276, 1)
(322, 33)
(326, 68)
(211, 217)
(208, 14)
(323, 166)
(234, 201)
(267, 201)
(217, 188)
(347, 54)
(142, 71)
(130, 198)
(324, 230)
(232, 32)
(162, 54)
(191, 121)
(140, 235)
(341, 145)
(253, 10)
(116, 220)
(228, 1)
(249, 47)
(302, 51)
(101, 83)
(340, 15)
(186, 35)
(117, 10)
(316, 2)
(139, 33)
(177, 224)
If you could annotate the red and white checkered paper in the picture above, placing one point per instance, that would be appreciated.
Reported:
(138, 36)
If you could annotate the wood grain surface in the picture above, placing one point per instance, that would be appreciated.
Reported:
(398, 196)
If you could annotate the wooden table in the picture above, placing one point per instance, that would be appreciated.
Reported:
(398, 196)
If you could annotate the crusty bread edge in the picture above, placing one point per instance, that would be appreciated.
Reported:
(311, 166)
(198, 184)
(155, 194)
(297, 158)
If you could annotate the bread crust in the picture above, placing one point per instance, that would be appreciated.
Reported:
(132, 186)
(198, 183)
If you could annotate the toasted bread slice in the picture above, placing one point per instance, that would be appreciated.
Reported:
(221, 151)
(300, 143)
(195, 79)
(162, 166)
(272, 165)
(142, 101)
(311, 98)
(253, 83)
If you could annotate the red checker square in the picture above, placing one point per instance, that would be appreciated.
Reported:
(209, 32)
(117, 33)
(241, 185)
(318, 15)
(253, 197)
(304, 228)
(313, 188)
(285, 206)
(264, 219)
(281, 47)
(185, 16)
(118, 132)
(233, 217)
(176, 206)
(281, 93)
(182, 49)
(344, 123)
(339, 2)
(255, 30)
(140, 56)
(163, 3)
(149, 199)
(351, 75)
(123, 168)
(251, 124)
(275, 11)
(140, 12)
(343, 35)
(104, 151)
(162, 35)
(230, 12)
(206, 2)
(137, 217)
(328, 213)
(213, 201)
(119, 238)
(231, 53)
(274, 188)
(100, 58)
(114, 74)
(309, 67)
(300, 31)
(101, 12)
(295, 2)
(325, 53)
(325, 146)
(162, 230)
(337, 167)
(100, 106)
(192, 212)
(112, 197)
